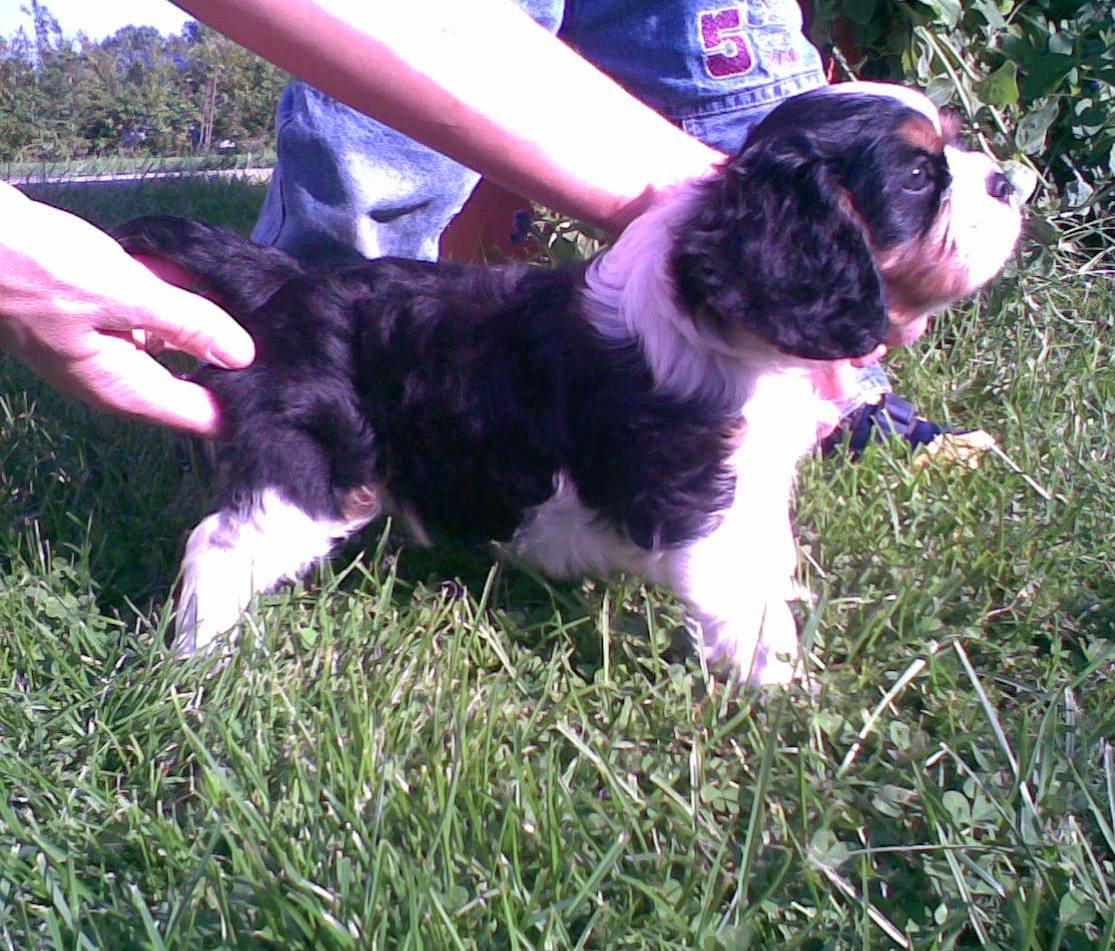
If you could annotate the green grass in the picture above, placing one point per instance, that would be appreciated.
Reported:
(37, 171)
(422, 750)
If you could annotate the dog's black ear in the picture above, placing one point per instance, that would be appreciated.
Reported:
(216, 262)
(774, 248)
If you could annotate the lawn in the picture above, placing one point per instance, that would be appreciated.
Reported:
(38, 173)
(432, 750)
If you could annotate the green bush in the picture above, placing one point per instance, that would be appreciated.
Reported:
(1034, 78)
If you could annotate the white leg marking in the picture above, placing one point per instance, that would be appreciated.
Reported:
(233, 555)
(738, 581)
(563, 538)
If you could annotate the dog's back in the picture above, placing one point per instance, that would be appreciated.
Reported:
(463, 392)
(461, 400)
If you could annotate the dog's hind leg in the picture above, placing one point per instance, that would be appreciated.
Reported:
(249, 549)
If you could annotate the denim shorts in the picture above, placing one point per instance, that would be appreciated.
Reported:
(346, 185)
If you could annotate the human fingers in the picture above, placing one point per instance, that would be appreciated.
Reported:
(119, 378)
(190, 323)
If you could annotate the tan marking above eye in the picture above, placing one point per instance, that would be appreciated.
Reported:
(919, 133)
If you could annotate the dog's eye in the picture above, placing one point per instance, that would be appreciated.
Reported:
(919, 177)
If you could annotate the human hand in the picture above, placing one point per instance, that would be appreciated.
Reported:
(78, 310)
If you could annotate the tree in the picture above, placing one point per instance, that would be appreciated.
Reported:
(234, 92)
(135, 92)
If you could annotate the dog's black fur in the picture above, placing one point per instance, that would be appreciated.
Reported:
(466, 390)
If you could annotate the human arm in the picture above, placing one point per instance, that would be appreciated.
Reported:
(82, 313)
(76, 309)
(484, 84)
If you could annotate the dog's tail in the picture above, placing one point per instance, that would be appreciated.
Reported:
(212, 261)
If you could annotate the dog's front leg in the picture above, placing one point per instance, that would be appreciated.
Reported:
(737, 583)
(249, 549)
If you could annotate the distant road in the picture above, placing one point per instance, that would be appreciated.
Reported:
(132, 178)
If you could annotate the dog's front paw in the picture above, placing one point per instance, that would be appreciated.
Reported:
(184, 643)
(762, 648)
(777, 659)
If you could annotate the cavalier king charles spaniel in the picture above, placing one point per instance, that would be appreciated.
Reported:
(642, 412)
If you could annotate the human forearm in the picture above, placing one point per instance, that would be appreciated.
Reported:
(571, 138)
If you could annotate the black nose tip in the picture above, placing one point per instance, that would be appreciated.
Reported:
(999, 186)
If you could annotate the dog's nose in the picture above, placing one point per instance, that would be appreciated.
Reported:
(999, 186)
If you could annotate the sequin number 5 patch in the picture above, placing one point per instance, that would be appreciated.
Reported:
(724, 44)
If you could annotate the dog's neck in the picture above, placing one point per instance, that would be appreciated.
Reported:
(630, 295)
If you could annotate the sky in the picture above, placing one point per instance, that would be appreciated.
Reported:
(97, 18)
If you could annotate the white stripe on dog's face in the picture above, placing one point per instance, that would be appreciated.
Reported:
(916, 100)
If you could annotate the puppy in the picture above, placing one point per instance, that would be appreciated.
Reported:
(644, 412)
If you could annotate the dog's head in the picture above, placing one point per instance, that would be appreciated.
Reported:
(850, 215)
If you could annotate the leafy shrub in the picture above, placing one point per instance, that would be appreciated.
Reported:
(1035, 78)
